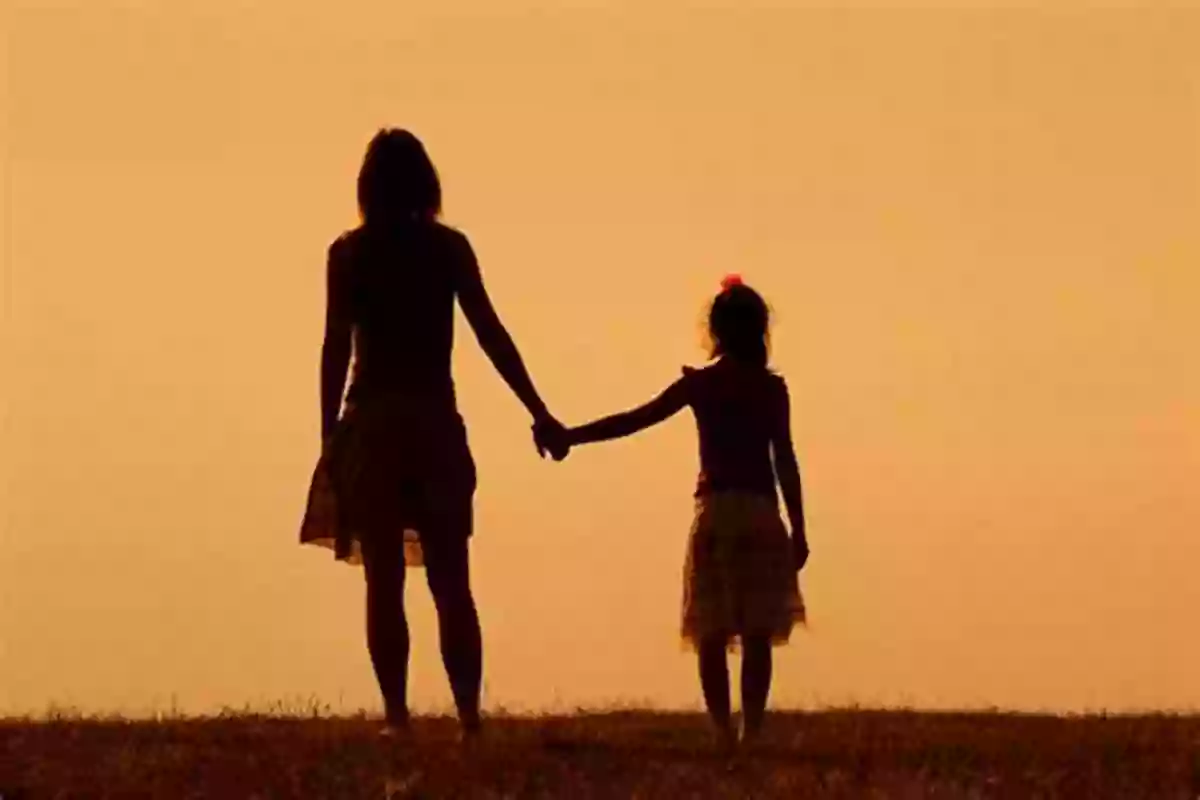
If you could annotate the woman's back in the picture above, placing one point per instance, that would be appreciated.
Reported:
(401, 282)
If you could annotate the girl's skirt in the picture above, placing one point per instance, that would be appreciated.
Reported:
(739, 578)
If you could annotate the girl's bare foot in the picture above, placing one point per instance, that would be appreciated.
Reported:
(727, 740)
(470, 729)
(401, 736)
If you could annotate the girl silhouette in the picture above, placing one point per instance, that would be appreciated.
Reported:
(740, 575)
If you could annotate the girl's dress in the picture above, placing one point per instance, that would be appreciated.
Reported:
(739, 578)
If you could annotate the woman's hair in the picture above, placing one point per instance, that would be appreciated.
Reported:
(739, 323)
(397, 181)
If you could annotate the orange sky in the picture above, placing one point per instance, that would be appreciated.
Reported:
(978, 229)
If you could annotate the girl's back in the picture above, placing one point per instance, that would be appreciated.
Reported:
(736, 407)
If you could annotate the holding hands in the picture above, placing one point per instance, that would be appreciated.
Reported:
(550, 437)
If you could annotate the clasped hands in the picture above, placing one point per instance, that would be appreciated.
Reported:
(551, 437)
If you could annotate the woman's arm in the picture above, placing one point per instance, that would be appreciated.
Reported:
(493, 337)
(335, 351)
(663, 407)
(787, 472)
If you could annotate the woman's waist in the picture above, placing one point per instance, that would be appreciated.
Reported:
(402, 424)
(414, 408)
(378, 386)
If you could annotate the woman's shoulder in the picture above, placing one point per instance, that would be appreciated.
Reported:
(776, 385)
(346, 242)
(434, 234)
(447, 242)
(448, 234)
(341, 249)
(433, 228)
(345, 238)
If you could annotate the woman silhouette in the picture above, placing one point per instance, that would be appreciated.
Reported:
(395, 462)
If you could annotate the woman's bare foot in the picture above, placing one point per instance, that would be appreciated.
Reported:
(396, 727)
(750, 733)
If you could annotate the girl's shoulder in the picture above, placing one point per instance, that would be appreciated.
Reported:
(694, 376)
(709, 380)
(761, 384)
(725, 369)
(690, 383)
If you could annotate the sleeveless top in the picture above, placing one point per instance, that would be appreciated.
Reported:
(401, 283)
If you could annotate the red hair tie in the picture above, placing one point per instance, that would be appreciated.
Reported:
(731, 281)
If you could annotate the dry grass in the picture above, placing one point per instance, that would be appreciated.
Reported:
(850, 754)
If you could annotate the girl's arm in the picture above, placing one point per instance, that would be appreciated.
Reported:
(672, 399)
(787, 472)
(493, 337)
(335, 351)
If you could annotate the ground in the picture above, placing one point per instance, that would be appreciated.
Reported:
(844, 754)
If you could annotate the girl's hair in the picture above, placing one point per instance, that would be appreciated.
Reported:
(739, 324)
(397, 181)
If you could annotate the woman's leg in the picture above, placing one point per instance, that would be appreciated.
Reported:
(447, 566)
(756, 682)
(714, 680)
(387, 627)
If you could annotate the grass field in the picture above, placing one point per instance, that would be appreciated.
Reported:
(848, 754)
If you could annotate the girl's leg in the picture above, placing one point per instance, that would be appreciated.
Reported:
(387, 627)
(714, 680)
(447, 566)
(756, 682)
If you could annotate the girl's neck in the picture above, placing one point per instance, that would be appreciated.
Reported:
(739, 363)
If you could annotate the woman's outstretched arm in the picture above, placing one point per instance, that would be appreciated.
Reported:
(661, 408)
(335, 351)
(493, 337)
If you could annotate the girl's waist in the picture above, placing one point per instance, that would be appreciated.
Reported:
(738, 509)
(760, 485)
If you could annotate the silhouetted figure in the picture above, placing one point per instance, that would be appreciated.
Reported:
(395, 458)
(740, 578)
